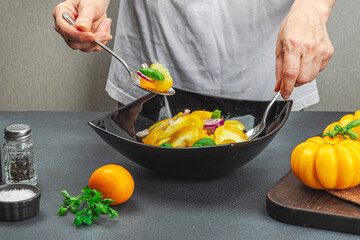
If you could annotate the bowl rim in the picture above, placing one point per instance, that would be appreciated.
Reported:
(288, 105)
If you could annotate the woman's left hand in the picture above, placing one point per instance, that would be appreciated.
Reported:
(303, 47)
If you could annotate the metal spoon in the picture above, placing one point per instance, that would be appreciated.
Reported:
(254, 132)
(133, 76)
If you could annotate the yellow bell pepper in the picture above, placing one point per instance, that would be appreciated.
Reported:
(327, 163)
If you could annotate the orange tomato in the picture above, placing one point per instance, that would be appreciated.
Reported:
(114, 182)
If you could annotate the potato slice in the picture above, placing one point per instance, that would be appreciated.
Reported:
(234, 123)
(163, 141)
(197, 121)
(203, 134)
(153, 136)
(162, 125)
(203, 114)
(186, 137)
(226, 133)
(179, 123)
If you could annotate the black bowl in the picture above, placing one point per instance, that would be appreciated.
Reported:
(118, 129)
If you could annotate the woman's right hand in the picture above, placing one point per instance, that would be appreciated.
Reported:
(91, 23)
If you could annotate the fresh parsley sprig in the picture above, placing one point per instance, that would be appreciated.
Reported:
(95, 205)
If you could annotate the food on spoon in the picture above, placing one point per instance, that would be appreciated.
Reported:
(195, 129)
(156, 78)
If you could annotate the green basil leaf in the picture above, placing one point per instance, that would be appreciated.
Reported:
(166, 145)
(216, 114)
(152, 73)
(354, 123)
(337, 128)
(204, 142)
(353, 135)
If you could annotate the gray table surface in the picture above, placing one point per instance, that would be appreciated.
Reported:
(229, 207)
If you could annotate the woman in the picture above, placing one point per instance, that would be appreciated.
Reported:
(237, 49)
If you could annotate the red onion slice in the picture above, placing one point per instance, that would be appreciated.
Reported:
(145, 77)
(186, 112)
(213, 123)
(142, 133)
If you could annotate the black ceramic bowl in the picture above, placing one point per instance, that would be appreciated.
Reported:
(118, 129)
(19, 210)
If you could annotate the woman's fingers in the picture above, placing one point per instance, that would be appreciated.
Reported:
(85, 20)
(67, 31)
(290, 66)
(91, 24)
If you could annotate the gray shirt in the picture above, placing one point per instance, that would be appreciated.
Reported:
(216, 47)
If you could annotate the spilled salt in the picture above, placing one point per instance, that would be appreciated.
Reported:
(16, 195)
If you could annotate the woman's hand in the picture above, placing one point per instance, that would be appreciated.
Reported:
(91, 23)
(303, 47)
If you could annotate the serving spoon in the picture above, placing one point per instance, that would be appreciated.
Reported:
(133, 76)
(254, 132)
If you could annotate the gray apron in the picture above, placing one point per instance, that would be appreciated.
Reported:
(217, 47)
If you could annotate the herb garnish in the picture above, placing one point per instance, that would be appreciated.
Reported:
(152, 73)
(166, 144)
(96, 205)
(347, 130)
(204, 142)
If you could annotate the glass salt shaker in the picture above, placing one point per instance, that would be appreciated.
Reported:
(19, 156)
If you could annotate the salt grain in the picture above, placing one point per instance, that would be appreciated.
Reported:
(16, 195)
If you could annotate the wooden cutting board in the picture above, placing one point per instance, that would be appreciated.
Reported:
(290, 201)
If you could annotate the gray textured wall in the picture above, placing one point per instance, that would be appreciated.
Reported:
(39, 72)
(339, 83)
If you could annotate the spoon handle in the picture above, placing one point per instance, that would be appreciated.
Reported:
(71, 21)
(269, 106)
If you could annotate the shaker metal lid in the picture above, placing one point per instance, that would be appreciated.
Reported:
(17, 132)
